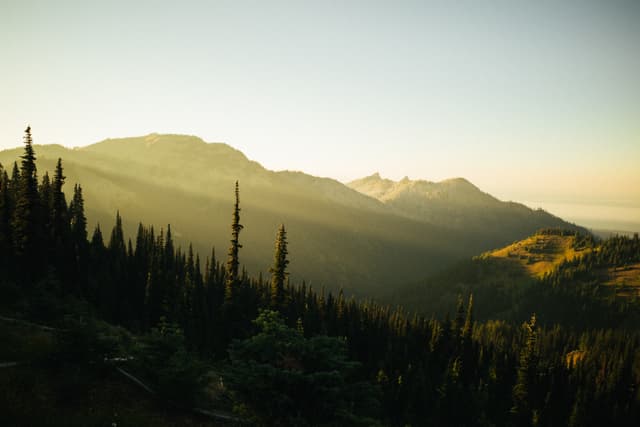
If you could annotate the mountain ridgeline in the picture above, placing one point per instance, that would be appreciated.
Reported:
(340, 237)
(455, 203)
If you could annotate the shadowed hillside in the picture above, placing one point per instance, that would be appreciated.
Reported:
(339, 237)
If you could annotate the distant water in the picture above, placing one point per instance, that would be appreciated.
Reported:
(602, 218)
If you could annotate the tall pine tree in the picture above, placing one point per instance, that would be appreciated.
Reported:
(77, 218)
(5, 220)
(279, 270)
(26, 221)
(522, 411)
(60, 231)
(78, 236)
(233, 262)
(60, 219)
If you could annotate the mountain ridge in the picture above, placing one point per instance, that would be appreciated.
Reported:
(454, 202)
(339, 237)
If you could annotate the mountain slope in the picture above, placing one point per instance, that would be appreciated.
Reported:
(562, 276)
(338, 236)
(541, 253)
(458, 204)
(498, 278)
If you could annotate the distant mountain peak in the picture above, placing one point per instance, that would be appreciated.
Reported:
(453, 202)
(374, 177)
(458, 180)
(155, 138)
(461, 183)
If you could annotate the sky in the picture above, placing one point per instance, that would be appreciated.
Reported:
(529, 100)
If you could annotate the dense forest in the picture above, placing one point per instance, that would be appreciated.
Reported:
(288, 354)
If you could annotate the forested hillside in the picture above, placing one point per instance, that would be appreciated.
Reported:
(340, 238)
(564, 276)
(185, 324)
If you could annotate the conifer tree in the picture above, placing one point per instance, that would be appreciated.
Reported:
(522, 411)
(26, 218)
(47, 244)
(115, 296)
(97, 241)
(279, 270)
(467, 344)
(96, 265)
(117, 244)
(458, 322)
(78, 220)
(14, 181)
(60, 220)
(172, 298)
(468, 321)
(233, 262)
(5, 217)
(77, 239)
(62, 249)
(46, 198)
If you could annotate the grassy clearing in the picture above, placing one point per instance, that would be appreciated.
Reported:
(540, 253)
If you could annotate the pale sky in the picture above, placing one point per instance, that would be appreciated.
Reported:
(529, 100)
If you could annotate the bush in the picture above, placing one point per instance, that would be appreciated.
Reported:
(162, 358)
(278, 377)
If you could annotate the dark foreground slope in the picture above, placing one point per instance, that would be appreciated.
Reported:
(339, 237)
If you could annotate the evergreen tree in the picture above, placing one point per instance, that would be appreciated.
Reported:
(172, 298)
(233, 262)
(14, 181)
(522, 411)
(62, 256)
(458, 322)
(468, 356)
(116, 294)
(78, 220)
(47, 245)
(5, 220)
(78, 239)
(26, 218)
(97, 267)
(60, 220)
(279, 270)
(45, 191)
(97, 241)
(117, 244)
(468, 321)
